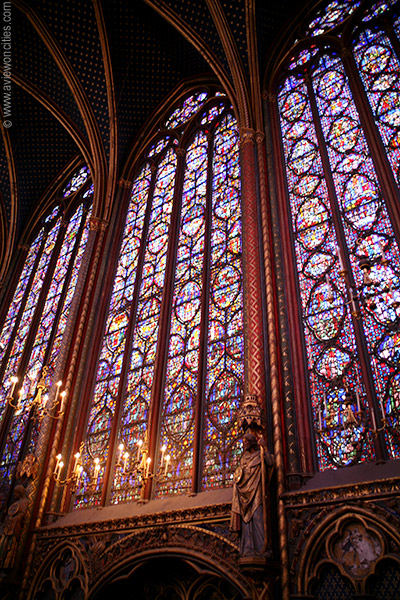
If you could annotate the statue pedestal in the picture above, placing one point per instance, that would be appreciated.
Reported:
(262, 574)
(253, 563)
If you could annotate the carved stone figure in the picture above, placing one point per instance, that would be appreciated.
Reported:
(28, 467)
(248, 516)
(357, 550)
(13, 527)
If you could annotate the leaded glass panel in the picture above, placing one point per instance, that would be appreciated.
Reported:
(347, 255)
(202, 243)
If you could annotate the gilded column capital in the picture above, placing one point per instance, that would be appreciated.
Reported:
(125, 183)
(268, 96)
(260, 137)
(181, 152)
(247, 135)
(97, 224)
(345, 53)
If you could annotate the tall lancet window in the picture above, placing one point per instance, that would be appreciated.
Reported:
(339, 113)
(34, 324)
(170, 372)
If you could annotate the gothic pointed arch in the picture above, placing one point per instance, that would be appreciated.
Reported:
(170, 369)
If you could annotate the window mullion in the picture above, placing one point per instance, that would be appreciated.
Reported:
(21, 309)
(109, 471)
(42, 299)
(205, 303)
(64, 291)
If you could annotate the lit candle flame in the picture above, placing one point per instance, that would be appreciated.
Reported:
(14, 381)
(139, 445)
(167, 459)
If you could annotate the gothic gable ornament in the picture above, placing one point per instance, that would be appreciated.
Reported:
(250, 414)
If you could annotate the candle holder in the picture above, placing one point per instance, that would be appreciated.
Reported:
(376, 287)
(76, 472)
(374, 429)
(350, 418)
(132, 470)
(384, 418)
(356, 313)
(371, 287)
(42, 407)
(139, 466)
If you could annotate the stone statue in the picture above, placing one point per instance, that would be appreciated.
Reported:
(12, 528)
(248, 516)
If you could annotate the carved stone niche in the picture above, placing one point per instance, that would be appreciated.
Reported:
(62, 575)
(345, 555)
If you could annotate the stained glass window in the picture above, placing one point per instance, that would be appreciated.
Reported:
(35, 323)
(179, 272)
(331, 15)
(341, 165)
(76, 182)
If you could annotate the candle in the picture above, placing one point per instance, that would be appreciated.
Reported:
(79, 474)
(59, 384)
(58, 459)
(120, 448)
(77, 457)
(353, 304)
(163, 449)
(19, 399)
(376, 375)
(358, 401)
(382, 408)
(373, 420)
(126, 456)
(167, 459)
(139, 445)
(382, 245)
(341, 263)
(63, 394)
(96, 467)
(148, 466)
(60, 466)
(14, 381)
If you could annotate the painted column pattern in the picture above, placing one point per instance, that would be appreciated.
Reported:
(254, 347)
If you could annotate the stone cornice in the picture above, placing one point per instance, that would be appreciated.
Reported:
(370, 490)
(191, 516)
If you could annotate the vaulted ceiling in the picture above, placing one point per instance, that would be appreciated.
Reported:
(87, 74)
